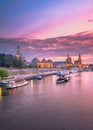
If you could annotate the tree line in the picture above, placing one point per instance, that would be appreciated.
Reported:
(11, 61)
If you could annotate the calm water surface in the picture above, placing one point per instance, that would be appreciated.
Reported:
(45, 105)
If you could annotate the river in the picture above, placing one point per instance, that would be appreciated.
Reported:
(45, 105)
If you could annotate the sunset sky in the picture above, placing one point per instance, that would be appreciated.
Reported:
(63, 26)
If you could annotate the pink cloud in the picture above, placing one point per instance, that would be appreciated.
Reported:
(72, 23)
(90, 20)
(57, 47)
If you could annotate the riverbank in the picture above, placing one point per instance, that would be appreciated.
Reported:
(29, 74)
(13, 72)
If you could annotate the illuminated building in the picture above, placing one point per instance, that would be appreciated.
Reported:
(19, 55)
(78, 63)
(85, 66)
(68, 62)
(44, 64)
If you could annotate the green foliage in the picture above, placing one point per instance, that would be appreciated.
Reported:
(3, 73)
(18, 63)
(10, 61)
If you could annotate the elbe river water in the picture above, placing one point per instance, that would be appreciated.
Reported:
(45, 105)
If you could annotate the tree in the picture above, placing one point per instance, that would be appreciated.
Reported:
(8, 60)
(2, 60)
(18, 63)
(3, 73)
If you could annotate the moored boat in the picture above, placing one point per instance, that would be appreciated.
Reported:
(12, 84)
(38, 77)
(63, 78)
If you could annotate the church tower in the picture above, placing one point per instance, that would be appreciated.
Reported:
(69, 61)
(18, 54)
(79, 59)
(78, 63)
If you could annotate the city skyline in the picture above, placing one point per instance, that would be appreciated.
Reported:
(47, 29)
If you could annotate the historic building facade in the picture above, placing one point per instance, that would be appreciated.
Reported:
(45, 64)
(69, 62)
(78, 63)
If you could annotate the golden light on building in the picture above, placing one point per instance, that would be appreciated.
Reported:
(44, 64)
(85, 66)
(69, 61)
(78, 63)
(18, 56)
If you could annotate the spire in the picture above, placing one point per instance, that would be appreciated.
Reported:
(79, 58)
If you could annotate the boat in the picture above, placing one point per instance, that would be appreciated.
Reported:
(38, 77)
(12, 84)
(63, 78)
(59, 73)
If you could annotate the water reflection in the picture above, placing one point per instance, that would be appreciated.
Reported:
(0, 95)
(31, 84)
(12, 92)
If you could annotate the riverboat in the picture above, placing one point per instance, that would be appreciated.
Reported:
(12, 84)
(63, 78)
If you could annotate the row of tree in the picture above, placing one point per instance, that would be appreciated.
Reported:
(11, 61)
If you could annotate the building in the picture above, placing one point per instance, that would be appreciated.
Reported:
(59, 64)
(19, 55)
(34, 61)
(41, 64)
(90, 66)
(69, 62)
(78, 63)
(45, 64)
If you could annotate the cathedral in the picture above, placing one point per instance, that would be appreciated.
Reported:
(78, 63)
(69, 61)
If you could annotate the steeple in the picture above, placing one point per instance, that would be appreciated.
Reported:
(79, 58)
(69, 60)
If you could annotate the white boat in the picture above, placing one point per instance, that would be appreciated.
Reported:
(63, 78)
(12, 84)
(62, 72)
